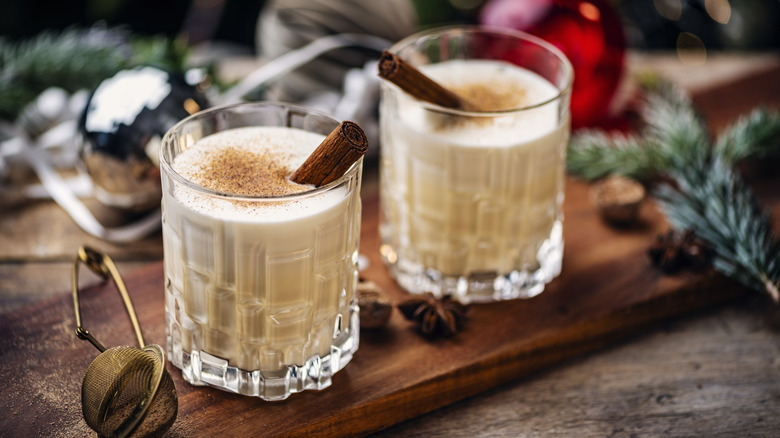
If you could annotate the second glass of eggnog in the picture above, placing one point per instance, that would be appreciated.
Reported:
(260, 272)
(471, 201)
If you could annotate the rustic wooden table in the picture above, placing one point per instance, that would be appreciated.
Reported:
(715, 372)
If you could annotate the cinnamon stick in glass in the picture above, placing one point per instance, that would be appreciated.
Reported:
(340, 149)
(396, 70)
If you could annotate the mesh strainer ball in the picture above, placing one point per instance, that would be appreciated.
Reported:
(128, 392)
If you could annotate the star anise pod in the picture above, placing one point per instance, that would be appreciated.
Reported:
(436, 317)
(672, 252)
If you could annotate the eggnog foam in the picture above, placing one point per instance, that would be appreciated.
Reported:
(491, 86)
(253, 162)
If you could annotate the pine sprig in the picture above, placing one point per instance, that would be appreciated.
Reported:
(672, 134)
(594, 154)
(674, 128)
(714, 202)
(75, 59)
(756, 135)
(708, 197)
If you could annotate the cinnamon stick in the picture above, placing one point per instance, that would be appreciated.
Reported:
(342, 147)
(396, 70)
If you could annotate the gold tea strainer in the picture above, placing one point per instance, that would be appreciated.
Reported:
(126, 390)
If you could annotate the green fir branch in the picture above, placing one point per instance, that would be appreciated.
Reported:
(675, 128)
(755, 135)
(708, 196)
(594, 154)
(712, 200)
(672, 135)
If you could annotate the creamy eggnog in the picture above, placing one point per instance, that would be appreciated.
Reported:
(260, 271)
(471, 201)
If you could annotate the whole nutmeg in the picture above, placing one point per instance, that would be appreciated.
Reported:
(375, 307)
(618, 199)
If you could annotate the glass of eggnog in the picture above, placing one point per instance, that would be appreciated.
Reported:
(471, 200)
(260, 272)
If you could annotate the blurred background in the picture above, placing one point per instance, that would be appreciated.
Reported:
(56, 55)
(649, 24)
(594, 34)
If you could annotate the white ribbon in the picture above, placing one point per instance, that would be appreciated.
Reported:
(298, 57)
(65, 197)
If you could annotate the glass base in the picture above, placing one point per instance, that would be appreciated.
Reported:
(482, 286)
(201, 368)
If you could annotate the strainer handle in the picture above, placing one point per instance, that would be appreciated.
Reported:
(103, 266)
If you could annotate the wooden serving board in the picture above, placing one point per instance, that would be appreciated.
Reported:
(607, 292)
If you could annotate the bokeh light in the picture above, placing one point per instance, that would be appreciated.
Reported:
(669, 9)
(719, 10)
(691, 49)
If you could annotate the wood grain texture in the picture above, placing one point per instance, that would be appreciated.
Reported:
(42, 231)
(607, 291)
(712, 373)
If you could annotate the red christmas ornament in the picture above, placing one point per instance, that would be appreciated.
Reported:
(588, 32)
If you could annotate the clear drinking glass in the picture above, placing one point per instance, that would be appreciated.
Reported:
(471, 201)
(259, 304)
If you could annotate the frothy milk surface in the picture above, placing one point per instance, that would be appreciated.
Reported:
(251, 161)
(476, 194)
(493, 86)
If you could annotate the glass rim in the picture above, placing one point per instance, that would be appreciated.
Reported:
(167, 169)
(473, 29)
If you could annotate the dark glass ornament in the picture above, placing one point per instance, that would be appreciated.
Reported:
(121, 127)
